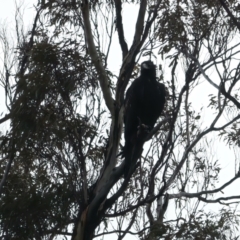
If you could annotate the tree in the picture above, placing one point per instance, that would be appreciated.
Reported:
(61, 174)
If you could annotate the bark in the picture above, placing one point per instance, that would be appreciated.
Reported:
(103, 79)
(92, 215)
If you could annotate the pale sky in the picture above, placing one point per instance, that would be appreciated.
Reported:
(226, 157)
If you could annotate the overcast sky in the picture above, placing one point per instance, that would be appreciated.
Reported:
(226, 157)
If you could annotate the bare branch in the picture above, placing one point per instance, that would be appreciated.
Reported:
(157, 127)
(221, 89)
(189, 148)
(103, 79)
(140, 22)
(119, 26)
(166, 143)
(122, 231)
(198, 195)
(5, 118)
(187, 116)
(184, 157)
(149, 213)
(225, 125)
(220, 199)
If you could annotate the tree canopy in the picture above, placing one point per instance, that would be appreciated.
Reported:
(61, 130)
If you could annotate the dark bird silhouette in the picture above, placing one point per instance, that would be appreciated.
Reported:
(144, 103)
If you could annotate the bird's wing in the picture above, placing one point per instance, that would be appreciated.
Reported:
(132, 92)
(161, 90)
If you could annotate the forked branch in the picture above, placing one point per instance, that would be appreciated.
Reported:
(103, 79)
(223, 3)
(199, 194)
(119, 26)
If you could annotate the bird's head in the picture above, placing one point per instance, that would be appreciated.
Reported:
(148, 67)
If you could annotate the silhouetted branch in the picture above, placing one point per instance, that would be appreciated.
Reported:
(223, 3)
(119, 26)
(166, 142)
(220, 199)
(198, 195)
(103, 79)
(220, 88)
(140, 23)
(123, 187)
(157, 127)
(5, 118)
(122, 231)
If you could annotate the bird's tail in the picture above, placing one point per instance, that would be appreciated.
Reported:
(131, 154)
(126, 154)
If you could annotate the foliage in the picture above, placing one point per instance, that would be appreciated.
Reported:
(59, 158)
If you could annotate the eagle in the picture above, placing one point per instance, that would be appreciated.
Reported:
(143, 105)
